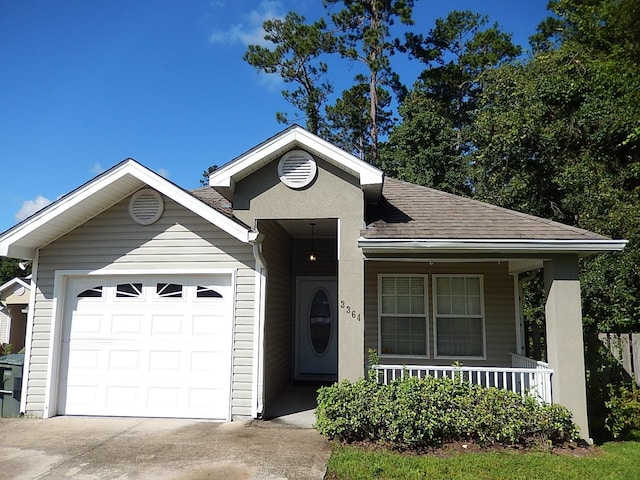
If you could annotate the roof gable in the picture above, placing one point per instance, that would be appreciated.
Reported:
(96, 196)
(225, 178)
(13, 283)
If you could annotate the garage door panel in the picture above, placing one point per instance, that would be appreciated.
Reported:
(144, 354)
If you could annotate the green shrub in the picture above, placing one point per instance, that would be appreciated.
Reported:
(624, 410)
(5, 349)
(417, 413)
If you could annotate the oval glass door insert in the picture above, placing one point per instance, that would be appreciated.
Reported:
(320, 321)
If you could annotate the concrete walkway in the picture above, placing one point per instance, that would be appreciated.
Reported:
(86, 448)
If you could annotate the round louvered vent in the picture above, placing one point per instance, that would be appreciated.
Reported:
(297, 169)
(146, 206)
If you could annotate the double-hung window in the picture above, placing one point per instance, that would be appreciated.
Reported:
(458, 307)
(403, 314)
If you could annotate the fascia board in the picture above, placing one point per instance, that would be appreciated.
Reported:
(8, 242)
(236, 170)
(493, 245)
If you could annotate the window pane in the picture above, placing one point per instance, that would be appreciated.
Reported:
(388, 304)
(388, 286)
(473, 306)
(171, 290)
(129, 290)
(458, 287)
(403, 304)
(417, 286)
(206, 292)
(402, 285)
(473, 286)
(403, 335)
(417, 304)
(95, 292)
(444, 304)
(460, 337)
(443, 286)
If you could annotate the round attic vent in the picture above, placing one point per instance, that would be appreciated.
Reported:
(146, 206)
(297, 169)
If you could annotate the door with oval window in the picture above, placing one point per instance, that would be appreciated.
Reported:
(317, 329)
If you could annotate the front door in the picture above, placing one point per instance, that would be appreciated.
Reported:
(317, 329)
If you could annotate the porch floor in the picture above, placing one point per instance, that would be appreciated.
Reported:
(295, 406)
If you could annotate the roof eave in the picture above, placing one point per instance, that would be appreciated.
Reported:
(514, 246)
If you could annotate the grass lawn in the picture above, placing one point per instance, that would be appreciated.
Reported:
(614, 460)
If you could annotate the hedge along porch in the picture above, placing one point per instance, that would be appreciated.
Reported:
(422, 276)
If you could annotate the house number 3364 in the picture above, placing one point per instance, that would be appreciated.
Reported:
(350, 311)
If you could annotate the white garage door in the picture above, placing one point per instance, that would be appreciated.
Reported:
(147, 346)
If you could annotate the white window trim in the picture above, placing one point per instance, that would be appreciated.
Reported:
(434, 292)
(426, 316)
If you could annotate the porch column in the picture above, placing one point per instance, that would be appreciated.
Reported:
(351, 357)
(565, 346)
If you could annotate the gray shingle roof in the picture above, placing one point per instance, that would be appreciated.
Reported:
(212, 198)
(411, 211)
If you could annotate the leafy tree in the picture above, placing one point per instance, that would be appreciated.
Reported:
(9, 269)
(365, 37)
(431, 146)
(422, 149)
(296, 56)
(557, 137)
(456, 51)
(347, 121)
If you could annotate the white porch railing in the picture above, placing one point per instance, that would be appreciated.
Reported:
(533, 381)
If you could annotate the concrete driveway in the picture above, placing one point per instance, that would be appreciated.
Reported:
(87, 448)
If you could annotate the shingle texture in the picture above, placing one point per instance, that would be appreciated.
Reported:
(212, 198)
(412, 211)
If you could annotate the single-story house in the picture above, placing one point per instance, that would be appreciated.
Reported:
(151, 300)
(14, 303)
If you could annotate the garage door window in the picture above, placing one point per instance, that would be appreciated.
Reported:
(129, 290)
(207, 292)
(169, 290)
(95, 292)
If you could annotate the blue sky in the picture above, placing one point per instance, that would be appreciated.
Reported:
(85, 84)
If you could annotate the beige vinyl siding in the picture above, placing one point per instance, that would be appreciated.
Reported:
(4, 320)
(278, 338)
(500, 330)
(113, 242)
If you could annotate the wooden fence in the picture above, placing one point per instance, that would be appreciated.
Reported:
(625, 347)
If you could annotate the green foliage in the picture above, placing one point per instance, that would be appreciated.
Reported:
(347, 122)
(364, 36)
(9, 269)
(204, 181)
(624, 410)
(417, 413)
(5, 349)
(296, 56)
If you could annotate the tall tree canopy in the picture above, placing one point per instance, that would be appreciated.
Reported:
(296, 56)
(432, 143)
(365, 37)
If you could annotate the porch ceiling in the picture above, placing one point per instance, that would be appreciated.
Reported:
(301, 228)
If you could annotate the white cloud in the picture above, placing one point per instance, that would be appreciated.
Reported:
(97, 169)
(250, 30)
(163, 172)
(29, 207)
